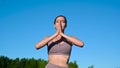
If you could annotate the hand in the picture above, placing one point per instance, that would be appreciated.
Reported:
(61, 32)
(57, 32)
(59, 29)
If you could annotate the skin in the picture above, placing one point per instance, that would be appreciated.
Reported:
(61, 60)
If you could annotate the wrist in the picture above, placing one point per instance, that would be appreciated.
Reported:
(61, 33)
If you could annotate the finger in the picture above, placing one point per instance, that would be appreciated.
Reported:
(60, 25)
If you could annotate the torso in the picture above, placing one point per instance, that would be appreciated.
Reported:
(59, 59)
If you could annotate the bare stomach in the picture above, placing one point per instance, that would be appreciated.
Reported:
(61, 60)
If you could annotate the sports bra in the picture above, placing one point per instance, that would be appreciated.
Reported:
(59, 49)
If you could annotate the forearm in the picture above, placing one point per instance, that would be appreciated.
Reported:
(45, 41)
(50, 38)
(74, 40)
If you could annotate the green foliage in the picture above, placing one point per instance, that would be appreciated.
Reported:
(92, 66)
(5, 62)
(73, 65)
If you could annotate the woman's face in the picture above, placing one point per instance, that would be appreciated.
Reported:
(60, 22)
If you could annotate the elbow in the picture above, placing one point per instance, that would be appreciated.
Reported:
(36, 47)
(82, 45)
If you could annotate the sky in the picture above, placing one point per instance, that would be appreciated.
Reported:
(23, 23)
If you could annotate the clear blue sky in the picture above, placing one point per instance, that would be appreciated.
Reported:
(96, 22)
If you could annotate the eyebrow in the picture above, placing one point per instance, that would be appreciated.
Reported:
(61, 20)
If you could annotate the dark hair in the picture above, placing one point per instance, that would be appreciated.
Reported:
(63, 17)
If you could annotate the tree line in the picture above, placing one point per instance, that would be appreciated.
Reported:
(6, 62)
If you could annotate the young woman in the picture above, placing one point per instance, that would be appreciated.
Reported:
(59, 45)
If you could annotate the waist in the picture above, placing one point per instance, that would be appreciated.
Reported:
(61, 60)
(59, 54)
(49, 65)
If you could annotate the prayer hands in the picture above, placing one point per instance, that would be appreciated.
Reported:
(59, 29)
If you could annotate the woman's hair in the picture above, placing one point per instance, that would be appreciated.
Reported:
(63, 17)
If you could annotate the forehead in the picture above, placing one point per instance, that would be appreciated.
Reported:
(60, 18)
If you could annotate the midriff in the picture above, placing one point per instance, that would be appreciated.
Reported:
(61, 60)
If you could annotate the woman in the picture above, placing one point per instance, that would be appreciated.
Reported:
(59, 45)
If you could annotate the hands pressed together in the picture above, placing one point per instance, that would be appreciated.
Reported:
(59, 30)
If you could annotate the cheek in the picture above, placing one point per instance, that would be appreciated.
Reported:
(56, 24)
(63, 24)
